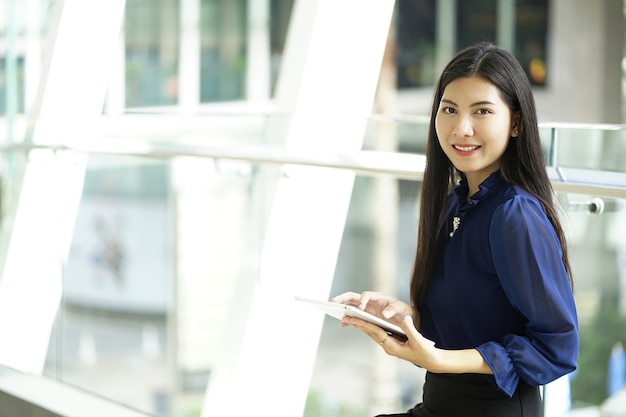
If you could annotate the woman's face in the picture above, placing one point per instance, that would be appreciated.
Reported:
(474, 126)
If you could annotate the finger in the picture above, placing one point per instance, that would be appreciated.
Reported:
(392, 309)
(373, 331)
(399, 309)
(364, 299)
(346, 298)
(413, 334)
(409, 328)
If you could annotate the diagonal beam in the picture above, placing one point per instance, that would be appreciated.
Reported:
(70, 98)
(325, 94)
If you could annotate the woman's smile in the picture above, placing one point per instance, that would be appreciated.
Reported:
(466, 149)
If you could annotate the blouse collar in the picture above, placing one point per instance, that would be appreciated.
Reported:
(484, 187)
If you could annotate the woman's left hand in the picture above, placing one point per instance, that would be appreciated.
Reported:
(417, 349)
(422, 351)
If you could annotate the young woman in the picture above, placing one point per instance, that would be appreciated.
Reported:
(492, 315)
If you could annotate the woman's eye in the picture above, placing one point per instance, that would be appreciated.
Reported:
(483, 111)
(448, 110)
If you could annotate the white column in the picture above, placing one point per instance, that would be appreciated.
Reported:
(70, 98)
(258, 65)
(189, 56)
(446, 32)
(506, 24)
(594, 33)
(326, 86)
(384, 392)
(116, 93)
(32, 53)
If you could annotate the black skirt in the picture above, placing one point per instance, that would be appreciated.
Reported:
(472, 395)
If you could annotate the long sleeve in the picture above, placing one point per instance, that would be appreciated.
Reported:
(527, 258)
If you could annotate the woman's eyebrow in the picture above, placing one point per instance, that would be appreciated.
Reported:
(478, 103)
(481, 103)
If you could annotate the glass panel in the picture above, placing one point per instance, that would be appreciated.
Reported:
(117, 290)
(350, 377)
(12, 85)
(151, 31)
(280, 13)
(158, 251)
(588, 154)
(223, 50)
(11, 64)
(590, 147)
(598, 256)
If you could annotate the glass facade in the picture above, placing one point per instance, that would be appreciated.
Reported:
(152, 32)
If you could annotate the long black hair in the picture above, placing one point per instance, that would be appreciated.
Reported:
(522, 163)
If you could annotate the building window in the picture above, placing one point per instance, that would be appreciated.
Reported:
(11, 85)
(151, 31)
(223, 30)
(531, 33)
(478, 21)
(472, 21)
(415, 24)
(280, 15)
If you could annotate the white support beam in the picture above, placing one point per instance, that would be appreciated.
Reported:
(32, 52)
(505, 33)
(82, 35)
(258, 76)
(326, 92)
(189, 56)
(446, 32)
(116, 93)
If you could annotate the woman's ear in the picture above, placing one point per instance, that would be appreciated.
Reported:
(515, 125)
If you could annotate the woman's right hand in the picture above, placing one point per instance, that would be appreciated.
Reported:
(378, 304)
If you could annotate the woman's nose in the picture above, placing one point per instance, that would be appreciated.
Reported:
(463, 128)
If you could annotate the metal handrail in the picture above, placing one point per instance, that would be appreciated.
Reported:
(400, 165)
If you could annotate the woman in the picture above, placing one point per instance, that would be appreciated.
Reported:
(492, 314)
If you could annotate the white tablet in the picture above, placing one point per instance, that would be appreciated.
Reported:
(338, 311)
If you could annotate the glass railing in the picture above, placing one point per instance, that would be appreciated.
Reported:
(170, 231)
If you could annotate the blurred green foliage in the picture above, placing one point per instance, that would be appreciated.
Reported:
(589, 385)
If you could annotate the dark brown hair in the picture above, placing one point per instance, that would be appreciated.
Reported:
(522, 163)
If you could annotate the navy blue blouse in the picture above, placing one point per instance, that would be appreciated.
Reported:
(500, 286)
